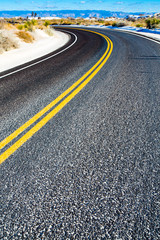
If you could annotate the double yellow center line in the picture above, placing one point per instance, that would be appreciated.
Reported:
(71, 92)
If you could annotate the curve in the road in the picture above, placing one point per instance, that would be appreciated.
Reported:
(142, 36)
(92, 170)
(72, 91)
(44, 59)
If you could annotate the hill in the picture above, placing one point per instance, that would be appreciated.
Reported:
(68, 13)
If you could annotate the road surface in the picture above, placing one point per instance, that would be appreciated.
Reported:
(90, 168)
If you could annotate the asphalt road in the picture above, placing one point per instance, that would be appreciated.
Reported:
(92, 171)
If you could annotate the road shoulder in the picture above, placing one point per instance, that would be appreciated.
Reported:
(28, 52)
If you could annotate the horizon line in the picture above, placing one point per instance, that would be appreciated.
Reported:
(77, 10)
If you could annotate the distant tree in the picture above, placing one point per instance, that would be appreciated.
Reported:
(155, 22)
(152, 23)
(148, 23)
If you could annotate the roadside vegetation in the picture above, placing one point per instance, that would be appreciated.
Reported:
(7, 42)
(115, 22)
(25, 36)
(23, 29)
(152, 23)
(7, 39)
(14, 30)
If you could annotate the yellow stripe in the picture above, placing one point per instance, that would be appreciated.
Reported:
(40, 124)
(49, 106)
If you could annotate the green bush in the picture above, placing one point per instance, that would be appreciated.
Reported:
(152, 23)
(28, 23)
(148, 23)
(28, 26)
(20, 27)
(33, 22)
(114, 24)
(101, 21)
(121, 24)
(46, 23)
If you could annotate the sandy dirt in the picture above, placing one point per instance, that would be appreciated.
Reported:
(26, 52)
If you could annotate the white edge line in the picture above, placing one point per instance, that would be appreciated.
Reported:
(126, 31)
(44, 58)
(139, 35)
(136, 34)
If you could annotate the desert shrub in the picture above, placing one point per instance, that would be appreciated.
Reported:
(155, 22)
(46, 23)
(152, 23)
(101, 21)
(114, 24)
(66, 23)
(41, 27)
(121, 24)
(28, 26)
(30, 29)
(33, 22)
(107, 24)
(20, 27)
(148, 23)
(5, 25)
(7, 42)
(25, 36)
(28, 23)
(129, 18)
(54, 23)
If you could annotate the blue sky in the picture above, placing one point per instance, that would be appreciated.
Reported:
(109, 5)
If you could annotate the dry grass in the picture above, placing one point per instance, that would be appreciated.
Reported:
(106, 22)
(9, 26)
(2, 23)
(20, 26)
(49, 31)
(12, 28)
(7, 42)
(138, 23)
(31, 25)
(25, 36)
(5, 25)
(41, 27)
(23, 28)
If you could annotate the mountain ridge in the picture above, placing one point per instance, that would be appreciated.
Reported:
(68, 13)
